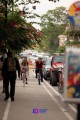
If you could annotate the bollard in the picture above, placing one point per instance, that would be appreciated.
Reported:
(78, 112)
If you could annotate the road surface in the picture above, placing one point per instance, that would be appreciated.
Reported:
(35, 102)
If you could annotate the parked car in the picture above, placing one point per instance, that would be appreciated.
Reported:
(56, 64)
(46, 70)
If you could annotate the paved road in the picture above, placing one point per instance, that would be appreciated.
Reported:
(43, 97)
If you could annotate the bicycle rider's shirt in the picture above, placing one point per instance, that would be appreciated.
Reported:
(39, 65)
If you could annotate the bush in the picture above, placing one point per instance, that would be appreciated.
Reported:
(61, 49)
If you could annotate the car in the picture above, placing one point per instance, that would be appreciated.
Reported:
(32, 59)
(46, 70)
(23, 55)
(56, 64)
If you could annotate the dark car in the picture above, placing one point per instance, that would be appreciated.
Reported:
(56, 64)
(46, 70)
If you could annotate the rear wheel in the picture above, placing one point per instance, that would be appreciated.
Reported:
(54, 79)
(51, 81)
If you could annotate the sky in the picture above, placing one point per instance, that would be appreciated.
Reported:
(45, 5)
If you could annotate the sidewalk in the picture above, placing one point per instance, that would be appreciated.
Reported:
(27, 99)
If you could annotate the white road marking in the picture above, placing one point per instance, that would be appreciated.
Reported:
(54, 99)
(52, 88)
(5, 117)
(71, 106)
(58, 94)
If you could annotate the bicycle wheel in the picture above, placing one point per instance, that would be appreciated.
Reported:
(39, 78)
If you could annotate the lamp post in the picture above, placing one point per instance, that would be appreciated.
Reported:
(5, 11)
(78, 112)
(5, 4)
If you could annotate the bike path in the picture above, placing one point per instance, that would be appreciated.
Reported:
(27, 99)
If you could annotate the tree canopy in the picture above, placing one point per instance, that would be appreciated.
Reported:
(53, 23)
(15, 31)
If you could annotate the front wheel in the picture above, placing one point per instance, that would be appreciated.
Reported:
(38, 78)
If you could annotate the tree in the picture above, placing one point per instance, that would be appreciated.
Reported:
(15, 31)
(53, 23)
(61, 49)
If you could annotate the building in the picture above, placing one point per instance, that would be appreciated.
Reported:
(62, 40)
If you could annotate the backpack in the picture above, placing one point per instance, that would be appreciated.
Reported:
(11, 64)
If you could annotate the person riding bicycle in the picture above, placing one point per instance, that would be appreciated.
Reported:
(39, 67)
(25, 65)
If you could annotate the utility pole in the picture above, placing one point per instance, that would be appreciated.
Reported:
(5, 11)
(5, 4)
(78, 112)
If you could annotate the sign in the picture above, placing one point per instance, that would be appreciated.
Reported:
(74, 14)
(37, 111)
(72, 75)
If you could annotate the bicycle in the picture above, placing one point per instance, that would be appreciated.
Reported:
(24, 78)
(39, 76)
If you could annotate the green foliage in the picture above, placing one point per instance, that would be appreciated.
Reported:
(61, 49)
(72, 32)
(73, 43)
(53, 23)
(15, 32)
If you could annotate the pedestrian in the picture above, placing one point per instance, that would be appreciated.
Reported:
(9, 68)
(1, 63)
(2, 60)
(25, 70)
(36, 67)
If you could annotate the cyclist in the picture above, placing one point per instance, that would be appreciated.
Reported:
(39, 67)
(25, 61)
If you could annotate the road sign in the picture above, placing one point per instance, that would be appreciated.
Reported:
(72, 75)
(74, 15)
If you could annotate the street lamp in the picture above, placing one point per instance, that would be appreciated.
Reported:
(78, 112)
(5, 10)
